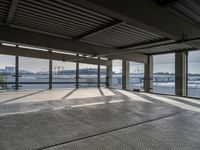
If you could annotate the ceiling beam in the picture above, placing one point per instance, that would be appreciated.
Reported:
(13, 35)
(144, 14)
(135, 57)
(154, 42)
(100, 29)
(12, 10)
(30, 38)
(50, 55)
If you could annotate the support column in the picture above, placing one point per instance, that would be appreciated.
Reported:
(50, 74)
(98, 76)
(180, 73)
(148, 75)
(125, 74)
(109, 75)
(77, 74)
(16, 72)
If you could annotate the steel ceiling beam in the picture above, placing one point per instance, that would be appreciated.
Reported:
(13, 35)
(31, 38)
(155, 19)
(154, 42)
(100, 29)
(16, 51)
(12, 10)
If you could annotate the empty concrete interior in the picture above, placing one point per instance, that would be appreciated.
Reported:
(99, 75)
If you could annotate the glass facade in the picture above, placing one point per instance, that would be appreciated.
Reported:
(63, 74)
(33, 73)
(103, 76)
(87, 75)
(117, 74)
(164, 73)
(194, 74)
(136, 76)
(7, 72)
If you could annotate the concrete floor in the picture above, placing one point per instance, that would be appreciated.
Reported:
(97, 119)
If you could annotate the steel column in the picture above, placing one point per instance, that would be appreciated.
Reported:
(16, 72)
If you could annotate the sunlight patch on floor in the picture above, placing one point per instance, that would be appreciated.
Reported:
(85, 93)
(107, 92)
(187, 99)
(133, 96)
(47, 95)
(173, 102)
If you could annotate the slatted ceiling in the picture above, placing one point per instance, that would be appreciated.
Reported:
(166, 48)
(4, 9)
(55, 9)
(142, 31)
(58, 17)
(53, 18)
(187, 9)
(47, 28)
(84, 9)
(122, 35)
(59, 26)
(74, 10)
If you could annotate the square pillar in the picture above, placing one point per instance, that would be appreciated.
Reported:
(148, 75)
(180, 73)
(125, 74)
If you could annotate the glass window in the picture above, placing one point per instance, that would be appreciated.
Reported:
(117, 74)
(194, 74)
(136, 76)
(164, 73)
(103, 76)
(64, 74)
(87, 75)
(7, 72)
(33, 73)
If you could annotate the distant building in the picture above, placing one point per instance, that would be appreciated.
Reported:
(10, 70)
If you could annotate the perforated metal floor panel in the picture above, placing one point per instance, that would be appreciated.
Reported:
(110, 126)
(155, 135)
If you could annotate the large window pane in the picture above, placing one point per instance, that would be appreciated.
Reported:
(7, 72)
(117, 73)
(136, 76)
(164, 74)
(194, 74)
(33, 73)
(87, 75)
(64, 74)
(103, 76)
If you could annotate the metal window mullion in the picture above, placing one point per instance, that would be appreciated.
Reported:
(50, 74)
(16, 72)
(77, 74)
(98, 75)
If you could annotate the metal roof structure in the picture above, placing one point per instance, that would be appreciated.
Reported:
(74, 21)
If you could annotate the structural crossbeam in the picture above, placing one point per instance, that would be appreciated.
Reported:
(12, 10)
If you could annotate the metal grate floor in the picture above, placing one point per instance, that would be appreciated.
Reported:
(110, 126)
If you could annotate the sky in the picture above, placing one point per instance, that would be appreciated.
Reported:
(35, 65)
(162, 63)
